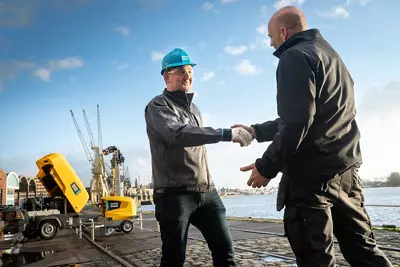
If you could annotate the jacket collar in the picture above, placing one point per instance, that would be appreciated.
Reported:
(304, 36)
(182, 97)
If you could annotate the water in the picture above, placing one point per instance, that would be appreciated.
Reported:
(264, 206)
(15, 260)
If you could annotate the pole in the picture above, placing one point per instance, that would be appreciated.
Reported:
(141, 220)
(118, 180)
(80, 228)
(92, 229)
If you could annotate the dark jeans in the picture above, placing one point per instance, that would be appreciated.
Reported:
(206, 212)
(337, 208)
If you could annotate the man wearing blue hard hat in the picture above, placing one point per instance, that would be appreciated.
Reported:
(184, 192)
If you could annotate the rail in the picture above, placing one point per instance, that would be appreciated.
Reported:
(394, 249)
(384, 206)
(273, 255)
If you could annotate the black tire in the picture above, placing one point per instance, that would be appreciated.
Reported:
(126, 226)
(47, 230)
(31, 235)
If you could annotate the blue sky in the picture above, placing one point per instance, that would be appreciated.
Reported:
(61, 55)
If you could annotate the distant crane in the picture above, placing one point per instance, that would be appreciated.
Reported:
(98, 184)
(117, 164)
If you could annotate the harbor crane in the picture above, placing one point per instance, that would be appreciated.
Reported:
(98, 184)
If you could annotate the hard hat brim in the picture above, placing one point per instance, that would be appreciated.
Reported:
(177, 65)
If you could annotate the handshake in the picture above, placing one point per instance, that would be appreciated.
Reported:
(242, 134)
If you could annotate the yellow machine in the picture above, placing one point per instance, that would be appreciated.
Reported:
(67, 199)
(120, 211)
(60, 180)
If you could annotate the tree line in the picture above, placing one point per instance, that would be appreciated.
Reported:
(393, 180)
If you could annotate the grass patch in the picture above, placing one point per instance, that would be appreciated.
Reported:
(148, 212)
(250, 219)
(387, 228)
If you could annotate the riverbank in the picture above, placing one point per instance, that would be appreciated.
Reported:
(391, 228)
(257, 243)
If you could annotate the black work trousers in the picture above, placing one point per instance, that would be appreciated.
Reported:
(206, 212)
(335, 207)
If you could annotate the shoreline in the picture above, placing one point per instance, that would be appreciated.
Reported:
(390, 228)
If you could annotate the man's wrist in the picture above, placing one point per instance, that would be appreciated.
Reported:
(262, 168)
(226, 134)
(253, 131)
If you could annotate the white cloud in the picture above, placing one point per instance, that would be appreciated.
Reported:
(15, 14)
(123, 30)
(227, 1)
(67, 63)
(43, 74)
(10, 70)
(263, 29)
(263, 9)
(155, 56)
(235, 50)
(379, 119)
(364, 2)
(208, 75)
(120, 66)
(245, 67)
(262, 39)
(336, 12)
(207, 6)
(282, 3)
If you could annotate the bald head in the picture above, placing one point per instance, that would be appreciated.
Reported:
(286, 22)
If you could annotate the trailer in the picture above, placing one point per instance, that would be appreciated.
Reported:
(67, 198)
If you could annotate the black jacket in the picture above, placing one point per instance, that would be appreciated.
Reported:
(177, 138)
(316, 133)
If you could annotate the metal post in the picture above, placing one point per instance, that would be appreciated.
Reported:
(92, 229)
(158, 226)
(80, 228)
(141, 220)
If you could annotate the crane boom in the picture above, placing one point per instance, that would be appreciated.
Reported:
(92, 143)
(100, 137)
(88, 155)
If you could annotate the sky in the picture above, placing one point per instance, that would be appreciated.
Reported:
(57, 56)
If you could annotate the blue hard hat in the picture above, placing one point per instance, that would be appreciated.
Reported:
(177, 57)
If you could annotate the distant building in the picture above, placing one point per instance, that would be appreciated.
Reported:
(3, 187)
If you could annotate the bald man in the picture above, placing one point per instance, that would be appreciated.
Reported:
(315, 144)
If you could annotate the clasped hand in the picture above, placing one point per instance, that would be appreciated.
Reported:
(241, 136)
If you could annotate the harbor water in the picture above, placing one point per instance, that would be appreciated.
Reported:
(264, 206)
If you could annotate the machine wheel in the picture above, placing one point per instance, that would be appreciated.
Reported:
(126, 226)
(47, 229)
(31, 235)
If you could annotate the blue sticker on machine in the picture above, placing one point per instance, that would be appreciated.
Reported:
(75, 189)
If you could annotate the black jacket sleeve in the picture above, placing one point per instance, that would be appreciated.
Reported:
(296, 108)
(166, 124)
(266, 131)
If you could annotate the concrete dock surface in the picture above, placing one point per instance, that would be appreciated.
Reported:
(143, 248)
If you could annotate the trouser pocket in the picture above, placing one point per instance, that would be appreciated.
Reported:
(310, 234)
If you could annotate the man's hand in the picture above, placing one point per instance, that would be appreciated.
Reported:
(241, 136)
(247, 128)
(256, 179)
